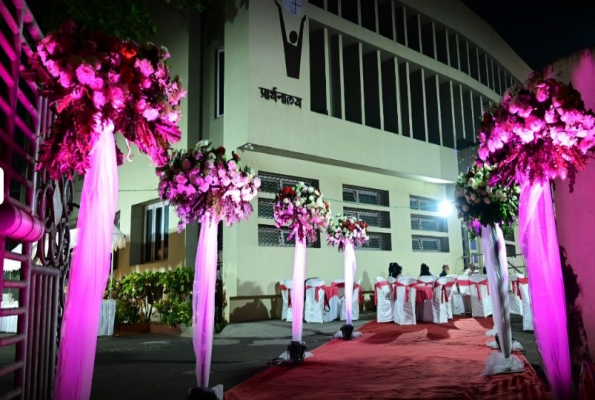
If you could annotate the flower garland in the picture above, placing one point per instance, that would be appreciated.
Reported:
(539, 131)
(94, 78)
(345, 228)
(303, 209)
(480, 203)
(207, 180)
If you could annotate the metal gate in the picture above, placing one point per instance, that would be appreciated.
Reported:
(33, 271)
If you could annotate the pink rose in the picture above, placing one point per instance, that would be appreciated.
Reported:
(85, 74)
(151, 114)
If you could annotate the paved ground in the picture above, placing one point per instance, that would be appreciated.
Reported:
(161, 367)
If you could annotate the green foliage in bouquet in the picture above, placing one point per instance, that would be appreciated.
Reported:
(480, 203)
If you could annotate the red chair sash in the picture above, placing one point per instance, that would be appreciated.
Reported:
(444, 298)
(516, 290)
(317, 289)
(285, 288)
(478, 287)
(407, 289)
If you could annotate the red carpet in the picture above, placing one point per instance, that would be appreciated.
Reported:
(425, 361)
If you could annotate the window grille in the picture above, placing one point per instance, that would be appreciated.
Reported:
(272, 183)
(378, 241)
(269, 236)
(423, 204)
(429, 244)
(375, 197)
(220, 86)
(266, 208)
(380, 219)
(428, 223)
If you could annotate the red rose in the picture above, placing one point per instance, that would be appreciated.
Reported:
(220, 150)
(128, 51)
(236, 156)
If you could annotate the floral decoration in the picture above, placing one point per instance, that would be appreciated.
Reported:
(303, 209)
(205, 180)
(480, 203)
(539, 131)
(91, 78)
(345, 228)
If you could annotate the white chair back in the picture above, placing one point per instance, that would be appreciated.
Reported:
(440, 303)
(383, 299)
(481, 303)
(514, 295)
(523, 284)
(355, 302)
(289, 286)
(314, 305)
(405, 295)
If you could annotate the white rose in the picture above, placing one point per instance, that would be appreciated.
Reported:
(486, 200)
(471, 182)
(285, 200)
(310, 189)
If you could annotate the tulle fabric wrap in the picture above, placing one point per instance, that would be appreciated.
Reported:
(539, 244)
(203, 298)
(494, 249)
(297, 293)
(89, 270)
(350, 267)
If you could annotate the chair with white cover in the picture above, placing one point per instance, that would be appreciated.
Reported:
(339, 287)
(284, 297)
(481, 303)
(515, 296)
(450, 285)
(425, 299)
(440, 302)
(404, 290)
(314, 305)
(526, 299)
(357, 290)
(460, 296)
(384, 301)
(289, 286)
(332, 303)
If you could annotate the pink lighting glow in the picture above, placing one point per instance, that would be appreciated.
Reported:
(297, 294)
(203, 298)
(89, 271)
(349, 267)
(539, 243)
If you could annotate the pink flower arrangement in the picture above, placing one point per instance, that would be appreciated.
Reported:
(94, 78)
(303, 209)
(344, 229)
(539, 131)
(206, 180)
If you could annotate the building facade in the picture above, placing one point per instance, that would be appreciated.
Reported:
(371, 101)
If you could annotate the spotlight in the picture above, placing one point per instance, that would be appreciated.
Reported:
(445, 208)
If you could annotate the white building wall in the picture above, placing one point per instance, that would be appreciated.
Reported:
(295, 141)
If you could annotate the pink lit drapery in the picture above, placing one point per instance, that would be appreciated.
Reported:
(89, 270)
(297, 293)
(539, 243)
(494, 252)
(349, 272)
(203, 298)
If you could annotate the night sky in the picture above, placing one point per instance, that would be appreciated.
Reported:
(540, 32)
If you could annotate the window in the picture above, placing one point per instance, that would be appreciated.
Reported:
(270, 236)
(219, 90)
(378, 241)
(272, 183)
(116, 252)
(155, 233)
(429, 244)
(423, 204)
(510, 250)
(428, 223)
(266, 208)
(380, 219)
(353, 194)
